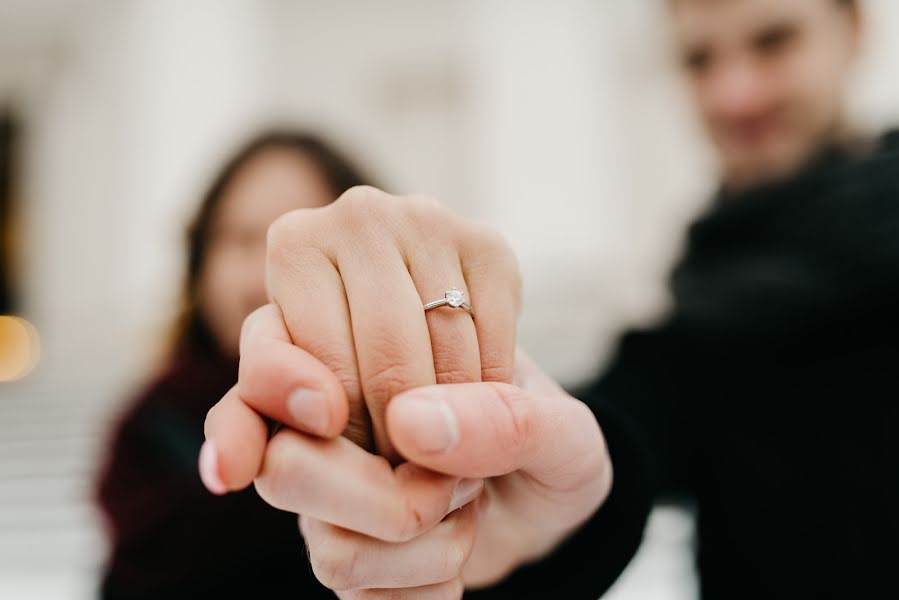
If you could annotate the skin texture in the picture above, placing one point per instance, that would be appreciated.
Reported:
(768, 78)
(482, 462)
(232, 280)
(423, 453)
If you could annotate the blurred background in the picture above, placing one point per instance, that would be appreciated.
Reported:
(564, 125)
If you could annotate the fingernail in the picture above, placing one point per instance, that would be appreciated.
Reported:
(209, 469)
(435, 427)
(466, 491)
(308, 407)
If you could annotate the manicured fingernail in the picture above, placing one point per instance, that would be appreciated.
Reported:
(466, 491)
(309, 408)
(209, 469)
(435, 426)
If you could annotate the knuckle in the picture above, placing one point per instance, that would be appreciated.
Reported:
(493, 248)
(424, 207)
(410, 523)
(330, 569)
(427, 219)
(487, 240)
(450, 363)
(362, 206)
(333, 560)
(412, 519)
(287, 237)
(447, 371)
(284, 230)
(332, 352)
(279, 474)
(457, 553)
(488, 257)
(371, 213)
(496, 370)
(388, 379)
(515, 426)
(360, 195)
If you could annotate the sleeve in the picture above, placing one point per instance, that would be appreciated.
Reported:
(655, 387)
(149, 473)
(172, 538)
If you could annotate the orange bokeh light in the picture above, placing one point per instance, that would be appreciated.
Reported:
(19, 348)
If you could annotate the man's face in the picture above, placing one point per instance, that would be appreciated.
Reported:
(768, 78)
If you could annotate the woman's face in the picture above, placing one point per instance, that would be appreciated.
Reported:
(232, 278)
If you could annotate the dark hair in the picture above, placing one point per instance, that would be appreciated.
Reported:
(192, 332)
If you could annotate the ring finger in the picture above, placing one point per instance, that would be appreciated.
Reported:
(437, 275)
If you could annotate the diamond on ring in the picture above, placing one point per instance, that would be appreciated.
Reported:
(454, 298)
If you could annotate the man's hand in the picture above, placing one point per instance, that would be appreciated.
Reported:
(345, 341)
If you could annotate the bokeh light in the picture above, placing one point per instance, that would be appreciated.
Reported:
(19, 348)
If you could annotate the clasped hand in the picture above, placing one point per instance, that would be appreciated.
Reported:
(421, 451)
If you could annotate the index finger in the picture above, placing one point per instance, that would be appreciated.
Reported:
(277, 380)
(286, 383)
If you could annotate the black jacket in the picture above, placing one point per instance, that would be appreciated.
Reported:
(770, 396)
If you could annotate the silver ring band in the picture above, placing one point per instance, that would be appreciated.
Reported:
(453, 298)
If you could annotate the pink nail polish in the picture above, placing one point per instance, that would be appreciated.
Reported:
(209, 469)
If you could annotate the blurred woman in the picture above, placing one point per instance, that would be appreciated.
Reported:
(170, 537)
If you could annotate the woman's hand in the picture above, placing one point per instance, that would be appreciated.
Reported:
(345, 347)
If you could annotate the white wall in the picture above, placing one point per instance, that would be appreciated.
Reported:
(556, 123)
(139, 101)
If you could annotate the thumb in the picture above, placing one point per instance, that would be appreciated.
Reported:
(490, 429)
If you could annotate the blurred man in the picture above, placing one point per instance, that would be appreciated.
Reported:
(768, 79)
(769, 395)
